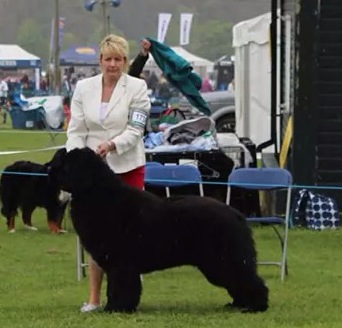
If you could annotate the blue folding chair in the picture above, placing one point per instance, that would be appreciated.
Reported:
(267, 179)
(152, 163)
(174, 175)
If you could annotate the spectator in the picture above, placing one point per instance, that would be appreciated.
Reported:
(206, 85)
(66, 111)
(3, 99)
(163, 89)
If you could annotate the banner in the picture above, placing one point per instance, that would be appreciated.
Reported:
(185, 27)
(52, 33)
(61, 24)
(163, 24)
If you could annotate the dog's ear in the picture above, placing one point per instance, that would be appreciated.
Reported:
(59, 155)
(54, 168)
(57, 158)
(78, 169)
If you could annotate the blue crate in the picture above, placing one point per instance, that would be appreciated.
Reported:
(25, 119)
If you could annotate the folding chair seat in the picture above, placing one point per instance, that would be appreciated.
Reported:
(152, 163)
(267, 179)
(168, 176)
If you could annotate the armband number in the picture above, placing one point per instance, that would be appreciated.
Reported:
(138, 118)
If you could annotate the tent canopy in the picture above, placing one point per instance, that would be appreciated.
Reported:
(12, 57)
(201, 65)
(80, 56)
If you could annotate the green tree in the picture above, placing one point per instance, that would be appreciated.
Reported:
(30, 37)
(212, 39)
(69, 40)
(134, 48)
(97, 35)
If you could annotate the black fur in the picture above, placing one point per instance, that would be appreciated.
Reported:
(129, 232)
(28, 192)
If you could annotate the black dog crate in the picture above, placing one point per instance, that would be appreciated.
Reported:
(215, 167)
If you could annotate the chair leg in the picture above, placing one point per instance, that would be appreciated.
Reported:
(79, 260)
(284, 271)
(83, 263)
(283, 267)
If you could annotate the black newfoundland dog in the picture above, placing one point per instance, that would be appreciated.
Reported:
(129, 232)
(25, 185)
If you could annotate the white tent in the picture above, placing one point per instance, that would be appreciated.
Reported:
(13, 56)
(251, 40)
(201, 65)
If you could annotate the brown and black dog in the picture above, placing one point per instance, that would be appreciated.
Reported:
(25, 185)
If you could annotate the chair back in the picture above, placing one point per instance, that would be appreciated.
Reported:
(260, 178)
(152, 163)
(173, 176)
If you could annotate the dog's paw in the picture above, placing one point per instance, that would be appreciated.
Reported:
(242, 308)
(31, 228)
(119, 309)
(234, 307)
(54, 228)
(11, 231)
(58, 231)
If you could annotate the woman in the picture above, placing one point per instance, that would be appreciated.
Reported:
(108, 114)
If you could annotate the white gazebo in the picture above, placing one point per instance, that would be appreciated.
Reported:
(13, 57)
(202, 66)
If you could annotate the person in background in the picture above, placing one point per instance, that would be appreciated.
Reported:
(108, 114)
(206, 85)
(163, 89)
(3, 99)
(66, 86)
(26, 88)
(43, 86)
(152, 82)
(231, 86)
(66, 112)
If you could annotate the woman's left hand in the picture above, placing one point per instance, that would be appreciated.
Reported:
(103, 149)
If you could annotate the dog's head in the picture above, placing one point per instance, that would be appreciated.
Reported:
(77, 170)
(57, 157)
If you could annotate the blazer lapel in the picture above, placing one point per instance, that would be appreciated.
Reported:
(94, 100)
(118, 92)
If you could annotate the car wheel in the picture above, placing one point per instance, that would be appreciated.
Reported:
(226, 124)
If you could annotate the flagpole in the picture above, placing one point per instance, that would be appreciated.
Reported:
(104, 17)
(57, 78)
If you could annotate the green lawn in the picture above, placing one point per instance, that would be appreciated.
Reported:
(38, 286)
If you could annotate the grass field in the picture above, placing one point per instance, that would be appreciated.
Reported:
(38, 286)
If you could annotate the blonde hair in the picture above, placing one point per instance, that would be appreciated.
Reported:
(115, 45)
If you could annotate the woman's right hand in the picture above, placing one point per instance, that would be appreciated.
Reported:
(145, 47)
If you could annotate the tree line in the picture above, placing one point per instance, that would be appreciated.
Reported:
(28, 23)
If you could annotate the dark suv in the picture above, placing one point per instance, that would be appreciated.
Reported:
(222, 106)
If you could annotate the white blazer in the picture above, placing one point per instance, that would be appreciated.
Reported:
(123, 123)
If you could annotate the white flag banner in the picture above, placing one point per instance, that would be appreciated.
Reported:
(163, 25)
(185, 27)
